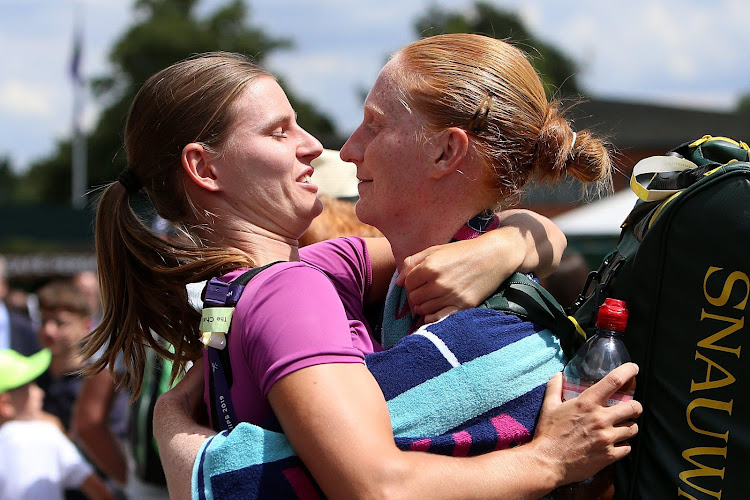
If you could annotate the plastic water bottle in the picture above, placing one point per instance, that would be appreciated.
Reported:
(601, 354)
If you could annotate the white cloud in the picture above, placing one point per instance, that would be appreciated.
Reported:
(23, 98)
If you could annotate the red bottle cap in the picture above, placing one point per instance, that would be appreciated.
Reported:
(613, 315)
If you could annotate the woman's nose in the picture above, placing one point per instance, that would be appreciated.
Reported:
(311, 147)
(352, 149)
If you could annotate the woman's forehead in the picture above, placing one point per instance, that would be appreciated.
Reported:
(262, 103)
(386, 97)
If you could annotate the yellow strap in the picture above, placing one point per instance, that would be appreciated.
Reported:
(707, 138)
(661, 207)
(578, 327)
(669, 200)
(655, 165)
(700, 141)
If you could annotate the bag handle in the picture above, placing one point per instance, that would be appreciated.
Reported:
(657, 165)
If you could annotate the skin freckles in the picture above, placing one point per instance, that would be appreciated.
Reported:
(388, 156)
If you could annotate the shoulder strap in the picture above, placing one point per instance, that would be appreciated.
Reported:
(524, 297)
(221, 294)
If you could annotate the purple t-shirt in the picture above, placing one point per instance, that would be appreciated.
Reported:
(294, 315)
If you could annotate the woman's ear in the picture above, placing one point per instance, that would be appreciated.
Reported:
(7, 410)
(198, 163)
(452, 149)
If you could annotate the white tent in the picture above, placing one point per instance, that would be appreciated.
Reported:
(334, 176)
(599, 218)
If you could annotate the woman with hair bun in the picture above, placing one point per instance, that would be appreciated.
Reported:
(453, 128)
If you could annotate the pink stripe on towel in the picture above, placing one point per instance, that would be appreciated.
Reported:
(421, 444)
(509, 431)
(462, 442)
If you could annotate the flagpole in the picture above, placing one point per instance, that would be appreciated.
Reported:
(79, 156)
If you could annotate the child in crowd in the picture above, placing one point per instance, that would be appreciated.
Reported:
(92, 411)
(37, 461)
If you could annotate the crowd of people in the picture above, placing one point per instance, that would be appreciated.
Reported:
(75, 448)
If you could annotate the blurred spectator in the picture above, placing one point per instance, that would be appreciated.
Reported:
(88, 284)
(16, 330)
(66, 319)
(26, 304)
(17, 300)
(566, 283)
(37, 460)
(338, 219)
(99, 400)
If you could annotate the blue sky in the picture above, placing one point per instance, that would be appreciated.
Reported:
(681, 52)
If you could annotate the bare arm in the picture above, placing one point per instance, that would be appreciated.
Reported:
(91, 426)
(324, 409)
(177, 434)
(573, 440)
(446, 278)
(383, 266)
(543, 242)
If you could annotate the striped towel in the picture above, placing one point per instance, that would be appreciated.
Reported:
(469, 384)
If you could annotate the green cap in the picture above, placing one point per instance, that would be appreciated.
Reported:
(17, 370)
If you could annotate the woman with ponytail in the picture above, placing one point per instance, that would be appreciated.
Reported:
(142, 275)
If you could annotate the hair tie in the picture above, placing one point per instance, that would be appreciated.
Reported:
(573, 142)
(128, 179)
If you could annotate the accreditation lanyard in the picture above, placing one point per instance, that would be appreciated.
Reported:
(216, 318)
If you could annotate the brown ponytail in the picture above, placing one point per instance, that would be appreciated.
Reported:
(142, 276)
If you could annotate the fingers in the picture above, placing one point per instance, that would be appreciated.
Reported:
(190, 388)
(442, 313)
(416, 274)
(424, 294)
(614, 381)
(194, 375)
(553, 393)
(409, 264)
(198, 364)
(625, 431)
(628, 410)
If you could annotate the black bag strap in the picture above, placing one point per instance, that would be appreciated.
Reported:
(522, 296)
(220, 294)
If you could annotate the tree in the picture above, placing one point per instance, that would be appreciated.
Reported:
(743, 106)
(558, 71)
(8, 180)
(166, 31)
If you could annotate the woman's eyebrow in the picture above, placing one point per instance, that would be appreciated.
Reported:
(375, 110)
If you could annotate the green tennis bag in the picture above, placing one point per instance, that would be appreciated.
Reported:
(682, 265)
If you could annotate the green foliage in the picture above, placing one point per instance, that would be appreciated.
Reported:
(8, 180)
(165, 32)
(557, 70)
(743, 105)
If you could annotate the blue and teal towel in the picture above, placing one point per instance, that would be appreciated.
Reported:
(471, 383)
